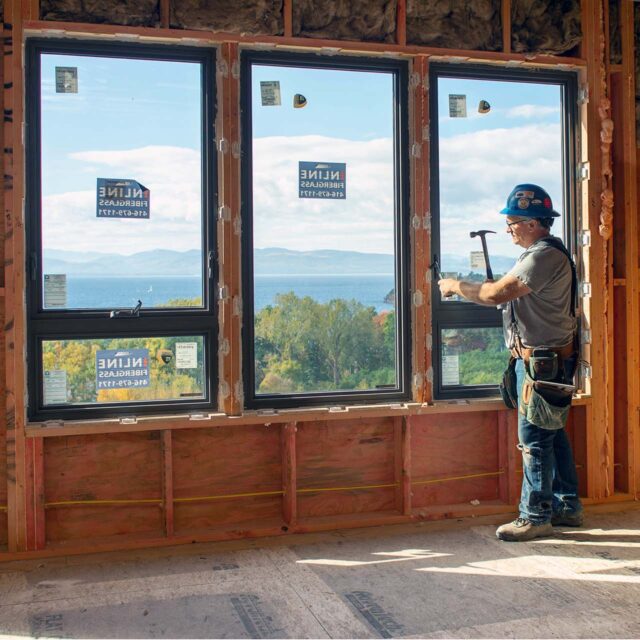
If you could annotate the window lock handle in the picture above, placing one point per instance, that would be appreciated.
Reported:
(127, 313)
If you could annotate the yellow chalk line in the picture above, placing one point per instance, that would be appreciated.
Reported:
(472, 475)
(261, 493)
(368, 486)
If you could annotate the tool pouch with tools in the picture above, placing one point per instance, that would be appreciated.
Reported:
(509, 385)
(545, 402)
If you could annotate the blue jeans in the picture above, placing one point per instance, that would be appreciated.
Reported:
(550, 482)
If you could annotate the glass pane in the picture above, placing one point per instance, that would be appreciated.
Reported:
(121, 182)
(473, 356)
(123, 370)
(493, 135)
(323, 230)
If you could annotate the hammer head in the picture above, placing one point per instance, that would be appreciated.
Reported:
(482, 232)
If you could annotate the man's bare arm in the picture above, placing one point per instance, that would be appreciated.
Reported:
(486, 293)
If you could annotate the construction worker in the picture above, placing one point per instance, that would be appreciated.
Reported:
(537, 299)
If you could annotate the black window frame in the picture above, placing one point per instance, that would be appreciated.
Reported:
(400, 70)
(70, 324)
(456, 314)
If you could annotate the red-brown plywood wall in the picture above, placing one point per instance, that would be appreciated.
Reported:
(447, 448)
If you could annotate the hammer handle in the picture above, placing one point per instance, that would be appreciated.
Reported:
(486, 257)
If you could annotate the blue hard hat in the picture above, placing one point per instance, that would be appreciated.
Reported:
(529, 201)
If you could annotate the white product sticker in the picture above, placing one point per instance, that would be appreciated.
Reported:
(55, 290)
(450, 370)
(476, 259)
(186, 355)
(457, 105)
(270, 93)
(66, 79)
(55, 386)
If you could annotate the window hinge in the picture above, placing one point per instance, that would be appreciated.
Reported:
(416, 150)
(128, 420)
(586, 370)
(224, 213)
(583, 94)
(418, 298)
(223, 145)
(198, 416)
(586, 336)
(223, 293)
(583, 171)
(585, 238)
(585, 289)
(210, 262)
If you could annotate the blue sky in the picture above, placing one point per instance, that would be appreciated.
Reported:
(140, 119)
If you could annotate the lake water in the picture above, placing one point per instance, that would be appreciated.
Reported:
(118, 292)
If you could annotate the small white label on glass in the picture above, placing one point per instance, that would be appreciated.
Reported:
(55, 290)
(476, 259)
(55, 386)
(186, 355)
(270, 93)
(450, 370)
(66, 80)
(457, 105)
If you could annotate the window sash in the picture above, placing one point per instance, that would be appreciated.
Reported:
(455, 314)
(401, 196)
(69, 324)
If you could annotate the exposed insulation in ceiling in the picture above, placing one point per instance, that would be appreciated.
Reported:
(545, 26)
(455, 24)
(138, 13)
(242, 16)
(371, 20)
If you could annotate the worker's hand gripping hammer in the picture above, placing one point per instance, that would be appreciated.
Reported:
(482, 233)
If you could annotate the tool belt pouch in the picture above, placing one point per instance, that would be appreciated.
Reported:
(543, 364)
(509, 385)
(545, 404)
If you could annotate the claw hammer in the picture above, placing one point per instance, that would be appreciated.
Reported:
(483, 233)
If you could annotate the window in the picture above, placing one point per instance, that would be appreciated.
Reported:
(490, 130)
(119, 234)
(324, 231)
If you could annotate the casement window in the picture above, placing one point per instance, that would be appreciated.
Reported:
(491, 129)
(325, 232)
(120, 190)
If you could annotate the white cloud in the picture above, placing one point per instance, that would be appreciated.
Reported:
(530, 111)
(477, 172)
(172, 174)
(361, 222)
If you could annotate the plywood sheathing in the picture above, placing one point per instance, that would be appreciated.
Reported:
(134, 13)
(242, 16)
(366, 20)
(455, 24)
(545, 26)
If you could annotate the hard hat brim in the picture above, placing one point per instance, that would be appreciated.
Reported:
(526, 213)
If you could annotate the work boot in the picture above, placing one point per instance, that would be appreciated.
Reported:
(522, 529)
(567, 519)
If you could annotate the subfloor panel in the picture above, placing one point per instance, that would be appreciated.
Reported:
(435, 580)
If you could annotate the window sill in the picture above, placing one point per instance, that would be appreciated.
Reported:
(252, 418)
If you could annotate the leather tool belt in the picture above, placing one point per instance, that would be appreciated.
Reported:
(524, 353)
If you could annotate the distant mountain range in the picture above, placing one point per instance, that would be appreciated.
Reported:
(271, 261)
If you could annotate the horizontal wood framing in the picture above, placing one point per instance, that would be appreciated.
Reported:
(99, 485)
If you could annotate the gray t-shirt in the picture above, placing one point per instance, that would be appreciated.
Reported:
(543, 316)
